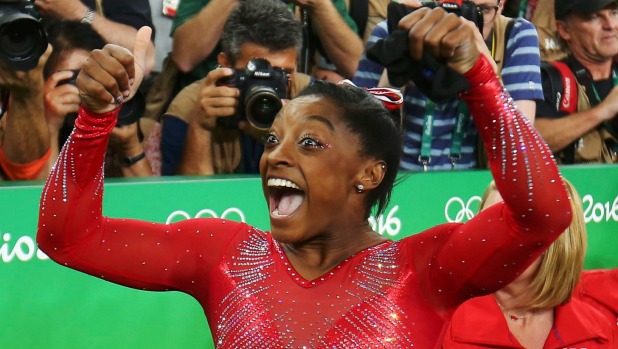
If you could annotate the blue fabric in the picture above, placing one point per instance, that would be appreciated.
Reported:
(521, 76)
(173, 136)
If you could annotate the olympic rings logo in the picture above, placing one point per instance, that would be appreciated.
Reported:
(236, 213)
(464, 211)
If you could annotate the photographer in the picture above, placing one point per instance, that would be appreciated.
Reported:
(514, 46)
(264, 29)
(198, 26)
(588, 132)
(72, 42)
(24, 138)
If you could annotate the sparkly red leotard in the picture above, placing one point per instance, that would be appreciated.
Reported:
(396, 294)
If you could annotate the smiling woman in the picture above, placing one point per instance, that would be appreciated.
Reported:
(322, 278)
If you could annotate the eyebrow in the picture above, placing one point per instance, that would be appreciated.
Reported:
(322, 120)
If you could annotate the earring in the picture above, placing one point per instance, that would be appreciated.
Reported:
(360, 188)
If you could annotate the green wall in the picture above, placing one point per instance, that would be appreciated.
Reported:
(43, 305)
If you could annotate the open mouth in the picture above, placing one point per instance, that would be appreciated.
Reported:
(285, 197)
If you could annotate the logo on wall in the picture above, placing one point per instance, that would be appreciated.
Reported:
(456, 210)
(24, 249)
(598, 212)
(232, 213)
(389, 224)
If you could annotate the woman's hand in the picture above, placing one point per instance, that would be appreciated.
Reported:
(112, 75)
(443, 35)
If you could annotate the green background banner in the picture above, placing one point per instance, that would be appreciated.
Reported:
(44, 305)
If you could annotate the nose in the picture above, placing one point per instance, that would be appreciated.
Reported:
(279, 155)
(610, 20)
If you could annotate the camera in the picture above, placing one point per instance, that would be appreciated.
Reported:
(130, 112)
(462, 8)
(262, 87)
(22, 37)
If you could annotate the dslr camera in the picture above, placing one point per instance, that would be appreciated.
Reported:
(262, 87)
(22, 37)
(462, 8)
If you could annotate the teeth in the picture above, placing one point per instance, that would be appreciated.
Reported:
(278, 182)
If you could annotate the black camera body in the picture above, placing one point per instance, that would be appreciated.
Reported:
(262, 87)
(22, 37)
(462, 8)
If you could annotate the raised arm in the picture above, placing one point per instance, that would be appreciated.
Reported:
(488, 252)
(72, 230)
(195, 39)
(342, 45)
(117, 26)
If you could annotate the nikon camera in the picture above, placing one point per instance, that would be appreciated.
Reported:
(262, 87)
(463, 8)
(22, 37)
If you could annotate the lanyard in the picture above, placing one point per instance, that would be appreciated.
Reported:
(614, 82)
(523, 8)
(458, 133)
(607, 124)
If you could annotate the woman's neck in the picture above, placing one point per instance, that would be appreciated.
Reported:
(315, 258)
(529, 325)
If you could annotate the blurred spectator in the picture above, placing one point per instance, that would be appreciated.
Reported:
(587, 131)
(541, 14)
(513, 43)
(256, 28)
(198, 25)
(72, 42)
(539, 308)
(116, 21)
(24, 139)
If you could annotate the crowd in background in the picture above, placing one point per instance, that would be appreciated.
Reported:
(169, 129)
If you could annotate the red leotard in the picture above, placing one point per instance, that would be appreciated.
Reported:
(396, 294)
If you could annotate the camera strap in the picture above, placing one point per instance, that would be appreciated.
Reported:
(457, 137)
(584, 78)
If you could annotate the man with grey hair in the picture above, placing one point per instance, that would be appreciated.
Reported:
(586, 133)
(193, 143)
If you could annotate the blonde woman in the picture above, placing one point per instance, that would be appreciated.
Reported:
(536, 310)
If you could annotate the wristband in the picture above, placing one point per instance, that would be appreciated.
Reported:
(129, 161)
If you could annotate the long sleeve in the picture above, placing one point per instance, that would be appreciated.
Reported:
(73, 231)
(459, 261)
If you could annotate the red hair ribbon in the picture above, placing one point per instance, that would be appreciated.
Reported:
(391, 98)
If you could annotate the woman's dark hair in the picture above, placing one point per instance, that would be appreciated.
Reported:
(65, 36)
(377, 128)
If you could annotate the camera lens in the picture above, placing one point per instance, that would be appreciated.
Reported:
(16, 39)
(262, 105)
(22, 41)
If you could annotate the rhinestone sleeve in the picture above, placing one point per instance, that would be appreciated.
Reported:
(458, 261)
(521, 163)
(73, 231)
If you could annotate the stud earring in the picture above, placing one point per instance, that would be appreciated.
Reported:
(360, 188)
